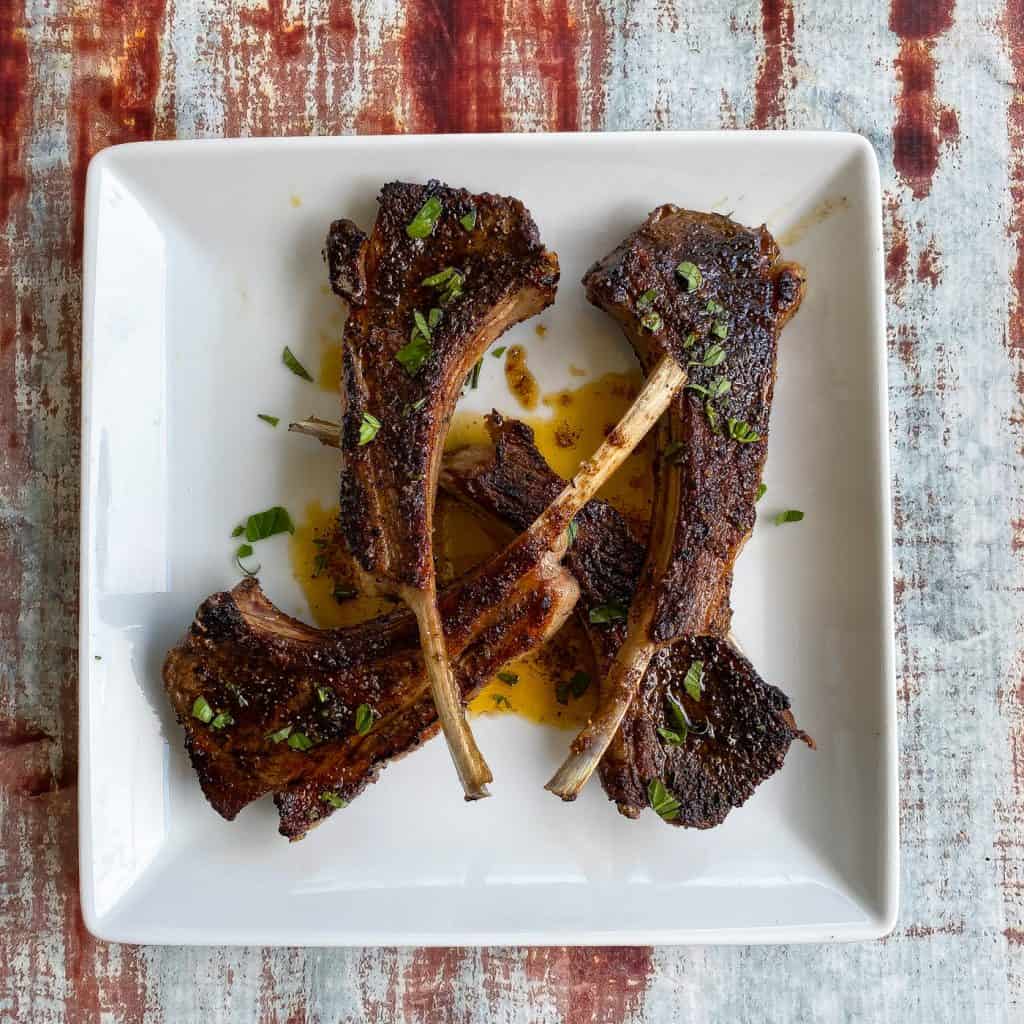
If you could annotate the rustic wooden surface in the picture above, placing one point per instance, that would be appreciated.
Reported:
(936, 87)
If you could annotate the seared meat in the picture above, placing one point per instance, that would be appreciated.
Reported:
(714, 295)
(290, 695)
(707, 484)
(442, 275)
(742, 725)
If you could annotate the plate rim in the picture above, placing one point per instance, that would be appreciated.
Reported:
(882, 912)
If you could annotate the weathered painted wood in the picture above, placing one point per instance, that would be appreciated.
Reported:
(937, 87)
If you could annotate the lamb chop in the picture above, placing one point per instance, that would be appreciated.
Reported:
(714, 295)
(740, 727)
(442, 275)
(236, 638)
(270, 704)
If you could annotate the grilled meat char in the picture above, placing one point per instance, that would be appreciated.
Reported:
(291, 693)
(505, 275)
(442, 275)
(745, 724)
(737, 296)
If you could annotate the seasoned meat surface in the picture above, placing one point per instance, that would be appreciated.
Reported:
(744, 724)
(423, 310)
(291, 694)
(708, 291)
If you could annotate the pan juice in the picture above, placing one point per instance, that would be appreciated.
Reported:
(549, 685)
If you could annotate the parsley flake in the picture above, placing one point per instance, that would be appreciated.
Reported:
(426, 218)
(662, 801)
(289, 360)
(368, 427)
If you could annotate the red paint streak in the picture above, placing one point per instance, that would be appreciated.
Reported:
(920, 125)
(455, 57)
(598, 984)
(1014, 936)
(1013, 28)
(430, 990)
(116, 76)
(13, 76)
(897, 255)
(777, 31)
(906, 345)
(1017, 535)
(921, 19)
(265, 60)
(287, 38)
(929, 267)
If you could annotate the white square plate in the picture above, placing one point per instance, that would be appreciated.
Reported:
(202, 259)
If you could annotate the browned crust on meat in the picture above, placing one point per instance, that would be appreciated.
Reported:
(388, 485)
(751, 723)
(270, 672)
(712, 498)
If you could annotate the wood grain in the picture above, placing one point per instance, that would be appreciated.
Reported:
(935, 85)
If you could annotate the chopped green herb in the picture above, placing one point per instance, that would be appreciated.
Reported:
(607, 613)
(267, 418)
(573, 531)
(202, 710)
(261, 525)
(694, 682)
(679, 714)
(791, 515)
(221, 719)
(281, 734)
(300, 741)
(289, 360)
(244, 551)
(333, 800)
(323, 694)
(720, 330)
(508, 677)
(740, 430)
(761, 488)
(499, 351)
(713, 308)
(319, 564)
(672, 450)
(421, 324)
(501, 700)
(652, 321)
(473, 380)
(238, 531)
(418, 404)
(434, 317)
(719, 386)
(364, 719)
(646, 300)
(713, 357)
(341, 593)
(691, 274)
(662, 801)
(691, 339)
(468, 220)
(368, 428)
(426, 217)
(579, 684)
(709, 411)
(435, 280)
(673, 739)
(415, 354)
